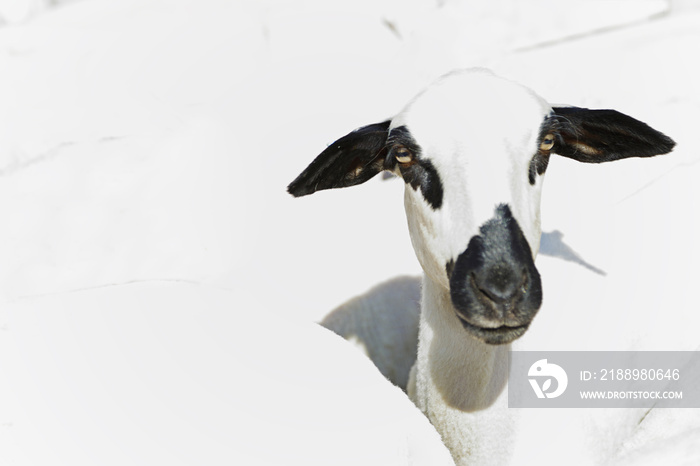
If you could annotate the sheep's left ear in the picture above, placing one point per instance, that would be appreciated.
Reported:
(351, 160)
(596, 136)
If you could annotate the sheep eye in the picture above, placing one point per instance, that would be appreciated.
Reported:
(547, 142)
(403, 155)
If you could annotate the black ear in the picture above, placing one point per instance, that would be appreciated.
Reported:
(596, 136)
(351, 160)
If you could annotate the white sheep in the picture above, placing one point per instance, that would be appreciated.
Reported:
(472, 150)
(177, 373)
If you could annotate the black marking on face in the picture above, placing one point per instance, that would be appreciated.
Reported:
(494, 285)
(420, 173)
(538, 166)
(539, 163)
(449, 268)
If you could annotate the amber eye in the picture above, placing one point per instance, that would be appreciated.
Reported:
(547, 142)
(403, 155)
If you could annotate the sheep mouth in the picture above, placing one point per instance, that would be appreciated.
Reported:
(494, 336)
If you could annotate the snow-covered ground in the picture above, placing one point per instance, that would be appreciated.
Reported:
(150, 143)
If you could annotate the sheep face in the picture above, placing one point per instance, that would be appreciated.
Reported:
(472, 150)
(465, 148)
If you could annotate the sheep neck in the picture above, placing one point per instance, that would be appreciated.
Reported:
(460, 383)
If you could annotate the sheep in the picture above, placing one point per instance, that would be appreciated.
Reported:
(180, 373)
(472, 150)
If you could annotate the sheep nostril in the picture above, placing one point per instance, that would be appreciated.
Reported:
(483, 290)
(499, 284)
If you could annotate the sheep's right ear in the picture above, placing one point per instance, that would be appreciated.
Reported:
(352, 159)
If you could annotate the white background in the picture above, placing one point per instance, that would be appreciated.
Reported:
(151, 142)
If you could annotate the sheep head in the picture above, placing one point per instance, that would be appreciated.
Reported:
(472, 150)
